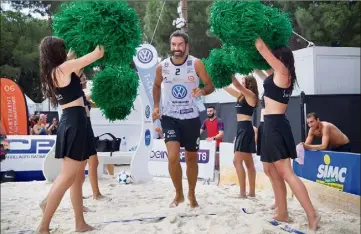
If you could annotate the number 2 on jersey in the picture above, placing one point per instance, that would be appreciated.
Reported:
(177, 71)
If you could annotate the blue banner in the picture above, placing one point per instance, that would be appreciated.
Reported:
(335, 169)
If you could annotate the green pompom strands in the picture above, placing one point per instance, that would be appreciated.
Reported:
(218, 66)
(115, 90)
(85, 24)
(114, 24)
(239, 23)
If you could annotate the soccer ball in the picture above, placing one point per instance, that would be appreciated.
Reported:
(124, 178)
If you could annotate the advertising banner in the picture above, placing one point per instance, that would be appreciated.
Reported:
(158, 160)
(26, 156)
(335, 169)
(13, 116)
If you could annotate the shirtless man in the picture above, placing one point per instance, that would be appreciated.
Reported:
(332, 138)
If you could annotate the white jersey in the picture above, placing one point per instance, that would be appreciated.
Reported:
(177, 85)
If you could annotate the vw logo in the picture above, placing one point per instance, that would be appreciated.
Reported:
(179, 91)
(145, 55)
(147, 111)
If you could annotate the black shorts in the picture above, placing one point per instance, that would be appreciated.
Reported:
(71, 137)
(185, 131)
(259, 138)
(277, 140)
(245, 140)
(90, 149)
(343, 148)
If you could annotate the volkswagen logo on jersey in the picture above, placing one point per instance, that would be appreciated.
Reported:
(145, 55)
(179, 91)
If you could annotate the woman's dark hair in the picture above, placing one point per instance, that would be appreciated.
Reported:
(285, 55)
(251, 84)
(52, 54)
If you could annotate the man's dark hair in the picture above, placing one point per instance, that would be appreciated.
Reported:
(312, 114)
(211, 107)
(179, 33)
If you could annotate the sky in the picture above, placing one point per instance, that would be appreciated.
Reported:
(6, 7)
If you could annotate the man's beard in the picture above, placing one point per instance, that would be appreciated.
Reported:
(179, 55)
(210, 116)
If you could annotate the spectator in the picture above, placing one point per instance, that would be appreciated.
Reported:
(332, 137)
(39, 128)
(53, 127)
(215, 128)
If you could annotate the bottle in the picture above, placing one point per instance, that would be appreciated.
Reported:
(200, 105)
(123, 146)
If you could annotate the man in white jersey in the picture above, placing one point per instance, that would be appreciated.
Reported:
(178, 79)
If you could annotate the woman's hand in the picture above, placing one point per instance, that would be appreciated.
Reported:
(99, 50)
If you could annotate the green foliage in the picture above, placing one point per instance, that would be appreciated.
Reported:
(114, 91)
(84, 25)
(200, 42)
(19, 42)
(331, 23)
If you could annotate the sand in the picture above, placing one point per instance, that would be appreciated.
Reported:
(20, 210)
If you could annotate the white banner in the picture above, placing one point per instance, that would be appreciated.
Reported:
(27, 152)
(158, 160)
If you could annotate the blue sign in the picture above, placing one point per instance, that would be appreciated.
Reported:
(147, 137)
(179, 91)
(31, 146)
(335, 169)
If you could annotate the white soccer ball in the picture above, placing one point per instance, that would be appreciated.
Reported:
(124, 178)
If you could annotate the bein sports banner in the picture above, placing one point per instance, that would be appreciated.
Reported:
(14, 118)
(334, 169)
(158, 160)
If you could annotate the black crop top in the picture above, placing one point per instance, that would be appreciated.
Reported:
(71, 92)
(272, 91)
(244, 108)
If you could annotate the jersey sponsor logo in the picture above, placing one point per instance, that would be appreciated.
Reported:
(189, 63)
(190, 70)
(145, 55)
(186, 111)
(191, 78)
(166, 64)
(179, 91)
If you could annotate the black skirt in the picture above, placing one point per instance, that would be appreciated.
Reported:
(71, 138)
(259, 138)
(277, 140)
(90, 149)
(245, 140)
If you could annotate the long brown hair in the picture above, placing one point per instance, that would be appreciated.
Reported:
(52, 54)
(251, 84)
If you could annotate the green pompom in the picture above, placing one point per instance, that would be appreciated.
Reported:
(239, 23)
(118, 112)
(219, 67)
(85, 24)
(245, 61)
(115, 90)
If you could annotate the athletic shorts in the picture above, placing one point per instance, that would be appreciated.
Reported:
(185, 131)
